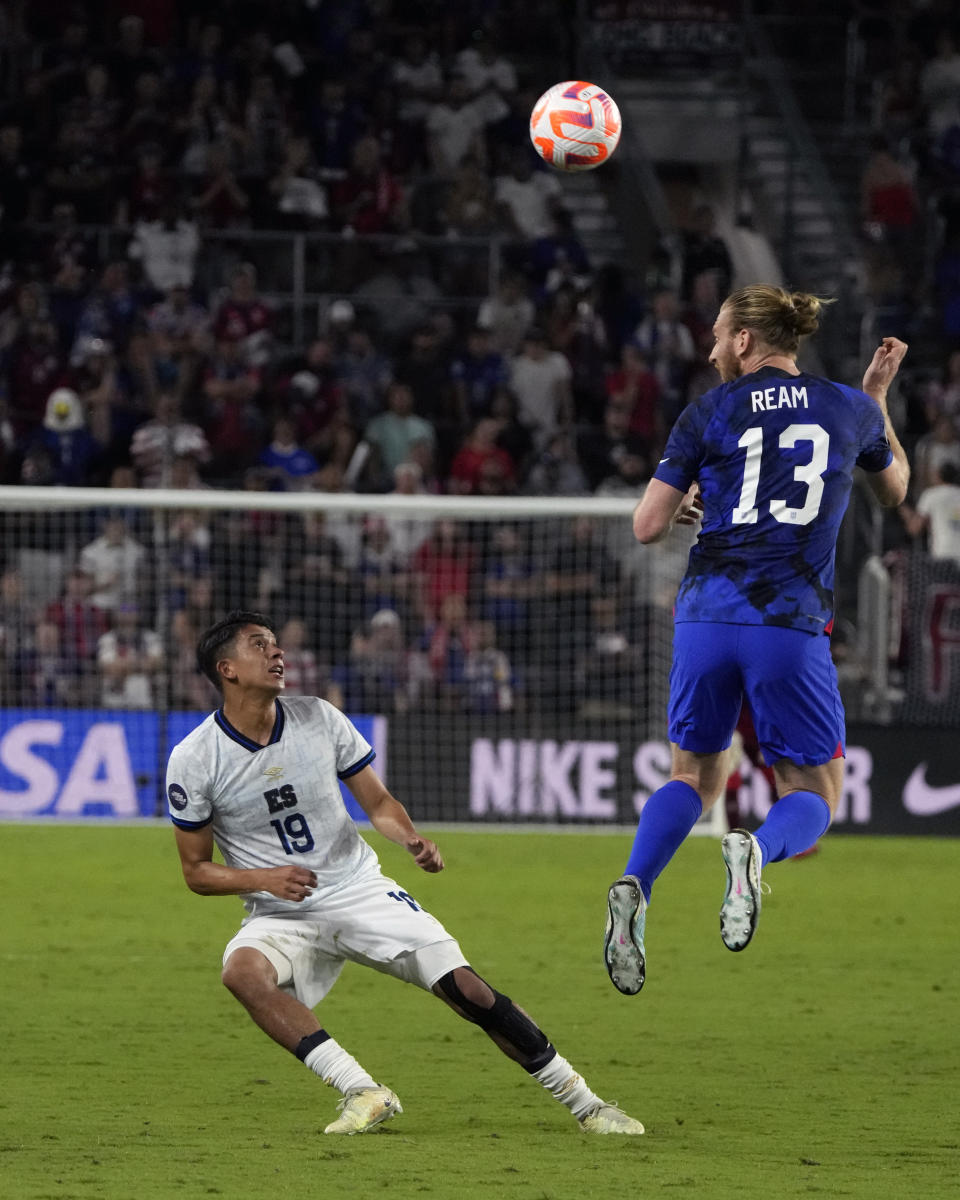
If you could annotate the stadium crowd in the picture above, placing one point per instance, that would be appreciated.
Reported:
(146, 152)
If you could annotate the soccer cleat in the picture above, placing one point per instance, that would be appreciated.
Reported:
(361, 1111)
(740, 909)
(623, 942)
(609, 1119)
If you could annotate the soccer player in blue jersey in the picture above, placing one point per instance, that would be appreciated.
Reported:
(766, 461)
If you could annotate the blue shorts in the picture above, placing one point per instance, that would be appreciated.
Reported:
(787, 676)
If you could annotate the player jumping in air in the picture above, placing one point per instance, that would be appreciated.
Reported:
(260, 777)
(766, 460)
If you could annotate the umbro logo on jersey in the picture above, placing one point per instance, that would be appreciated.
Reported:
(273, 773)
(924, 800)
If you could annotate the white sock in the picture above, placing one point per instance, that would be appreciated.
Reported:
(565, 1085)
(339, 1069)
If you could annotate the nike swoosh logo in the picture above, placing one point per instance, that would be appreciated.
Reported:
(923, 800)
(663, 460)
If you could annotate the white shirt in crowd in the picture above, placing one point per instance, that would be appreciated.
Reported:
(940, 504)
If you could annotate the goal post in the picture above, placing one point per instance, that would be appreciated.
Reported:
(510, 656)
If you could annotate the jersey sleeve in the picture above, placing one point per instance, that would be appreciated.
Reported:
(680, 464)
(353, 751)
(189, 799)
(875, 453)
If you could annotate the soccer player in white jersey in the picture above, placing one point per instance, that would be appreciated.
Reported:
(260, 777)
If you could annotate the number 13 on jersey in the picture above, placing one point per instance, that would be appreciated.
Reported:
(810, 473)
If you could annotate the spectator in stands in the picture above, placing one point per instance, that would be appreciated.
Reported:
(334, 122)
(244, 317)
(301, 672)
(235, 424)
(487, 673)
(130, 657)
(559, 258)
(940, 88)
(540, 380)
(369, 199)
(219, 201)
(35, 368)
(383, 571)
(298, 198)
(937, 514)
(936, 448)
(393, 434)
(479, 374)
(528, 200)
(943, 395)
(609, 667)
(81, 173)
(317, 582)
(407, 533)
(508, 315)
(556, 471)
(635, 387)
(203, 124)
(166, 248)
(468, 208)
(446, 645)
(150, 188)
(579, 568)
(477, 454)
(484, 68)
(456, 123)
(160, 442)
(80, 624)
(111, 309)
(290, 468)
(364, 373)
(186, 545)
(117, 564)
(188, 688)
(703, 249)
(73, 451)
(424, 367)
(45, 674)
(399, 294)
(668, 347)
(509, 582)
(18, 186)
(601, 451)
(264, 126)
(16, 613)
(443, 566)
(418, 79)
(380, 675)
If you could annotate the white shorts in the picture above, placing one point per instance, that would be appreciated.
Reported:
(373, 922)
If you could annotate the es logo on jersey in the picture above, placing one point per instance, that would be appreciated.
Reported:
(177, 797)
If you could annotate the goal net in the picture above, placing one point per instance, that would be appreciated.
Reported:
(509, 658)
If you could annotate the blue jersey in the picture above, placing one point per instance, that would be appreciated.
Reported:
(774, 455)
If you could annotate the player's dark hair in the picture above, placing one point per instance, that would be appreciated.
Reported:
(217, 638)
(778, 318)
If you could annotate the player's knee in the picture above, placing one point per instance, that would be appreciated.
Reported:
(246, 973)
(501, 1017)
(468, 993)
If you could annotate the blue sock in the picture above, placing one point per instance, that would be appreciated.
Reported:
(666, 819)
(793, 824)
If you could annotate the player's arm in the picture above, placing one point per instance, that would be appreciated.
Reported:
(663, 506)
(209, 878)
(890, 484)
(389, 818)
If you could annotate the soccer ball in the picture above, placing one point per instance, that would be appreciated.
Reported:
(575, 126)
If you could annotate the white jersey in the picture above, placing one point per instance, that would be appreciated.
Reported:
(276, 804)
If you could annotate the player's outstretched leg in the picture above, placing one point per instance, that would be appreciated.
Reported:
(623, 950)
(740, 909)
(520, 1038)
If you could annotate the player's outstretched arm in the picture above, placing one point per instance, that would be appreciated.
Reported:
(890, 485)
(389, 818)
(209, 878)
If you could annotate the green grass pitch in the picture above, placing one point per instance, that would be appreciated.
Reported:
(823, 1061)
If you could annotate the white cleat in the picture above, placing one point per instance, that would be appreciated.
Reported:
(610, 1119)
(740, 909)
(362, 1111)
(623, 951)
